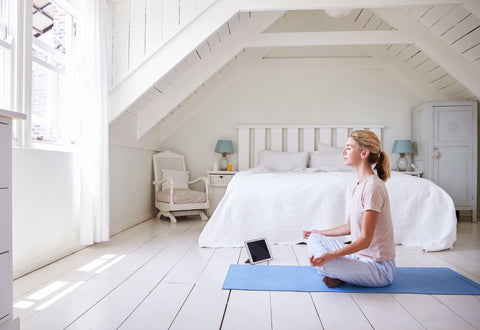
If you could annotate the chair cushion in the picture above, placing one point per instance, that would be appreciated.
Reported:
(181, 196)
(180, 179)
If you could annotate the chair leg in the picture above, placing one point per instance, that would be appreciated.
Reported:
(159, 214)
(172, 218)
(202, 215)
(167, 215)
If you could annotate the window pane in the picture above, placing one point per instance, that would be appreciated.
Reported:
(44, 104)
(52, 25)
(5, 79)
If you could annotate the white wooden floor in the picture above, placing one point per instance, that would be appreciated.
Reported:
(154, 276)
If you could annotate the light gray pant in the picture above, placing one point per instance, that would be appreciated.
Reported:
(351, 268)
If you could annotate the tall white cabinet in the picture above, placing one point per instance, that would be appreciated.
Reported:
(7, 322)
(445, 149)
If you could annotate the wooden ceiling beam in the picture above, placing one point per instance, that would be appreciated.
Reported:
(473, 6)
(271, 5)
(435, 48)
(330, 38)
(205, 69)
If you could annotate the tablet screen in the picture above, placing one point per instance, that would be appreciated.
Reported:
(258, 250)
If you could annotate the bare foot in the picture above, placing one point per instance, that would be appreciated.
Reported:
(332, 282)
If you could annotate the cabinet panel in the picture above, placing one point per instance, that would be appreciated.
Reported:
(5, 220)
(5, 154)
(5, 285)
(454, 171)
(453, 125)
(446, 138)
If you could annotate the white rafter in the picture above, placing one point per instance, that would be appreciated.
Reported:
(316, 63)
(165, 58)
(200, 73)
(433, 46)
(268, 5)
(473, 6)
(409, 79)
(330, 38)
(213, 88)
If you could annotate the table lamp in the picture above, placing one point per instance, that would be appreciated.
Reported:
(402, 147)
(224, 147)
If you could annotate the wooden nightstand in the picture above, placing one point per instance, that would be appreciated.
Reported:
(217, 185)
(418, 174)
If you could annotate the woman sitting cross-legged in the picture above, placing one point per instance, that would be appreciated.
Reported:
(370, 259)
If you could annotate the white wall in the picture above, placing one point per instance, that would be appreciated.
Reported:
(46, 201)
(335, 97)
(45, 207)
(131, 188)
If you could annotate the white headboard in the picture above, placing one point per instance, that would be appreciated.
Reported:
(252, 138)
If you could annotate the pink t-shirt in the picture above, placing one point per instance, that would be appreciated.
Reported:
(372, 195)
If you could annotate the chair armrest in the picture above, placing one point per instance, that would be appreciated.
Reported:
(159, 182)
(203, 178)
(205, 181)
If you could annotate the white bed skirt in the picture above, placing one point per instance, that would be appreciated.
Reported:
(279, 206)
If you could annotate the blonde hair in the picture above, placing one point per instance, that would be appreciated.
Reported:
(370, 141)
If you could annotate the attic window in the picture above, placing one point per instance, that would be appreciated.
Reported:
(51, 24)
(53, 30)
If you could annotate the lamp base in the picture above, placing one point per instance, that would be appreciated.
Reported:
(402, 164)
(223, 163)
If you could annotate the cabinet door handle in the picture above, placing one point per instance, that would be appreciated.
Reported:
(435, 154)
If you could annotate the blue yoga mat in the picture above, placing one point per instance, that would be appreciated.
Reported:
(307, 279)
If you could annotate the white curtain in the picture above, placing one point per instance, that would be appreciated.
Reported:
(92, 105)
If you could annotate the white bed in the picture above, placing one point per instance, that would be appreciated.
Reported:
(280, 205)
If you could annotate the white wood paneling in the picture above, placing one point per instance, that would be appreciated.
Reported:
(137, 33)
(378, 132)
(435, 14)
(276, 139)
(341, 134)
(188, 10)
(460, 29)
(259, 143)
(309, 139)
(325, 136)
(171, 19)
(120, 35)
(243, 148)
(153, 25)
(449, 20)
(292, 139)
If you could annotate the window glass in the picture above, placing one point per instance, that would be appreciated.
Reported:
(5, 57)
(52, 44)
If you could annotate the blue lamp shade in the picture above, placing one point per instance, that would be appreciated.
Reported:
(402, 147)
(224, 146)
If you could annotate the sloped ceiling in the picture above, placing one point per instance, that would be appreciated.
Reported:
(433, 49)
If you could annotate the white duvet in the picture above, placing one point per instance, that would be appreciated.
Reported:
(279, 206)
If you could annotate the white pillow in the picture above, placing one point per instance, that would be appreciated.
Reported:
(328, 149)
(283, 161)
(180, 179)
(328, 162)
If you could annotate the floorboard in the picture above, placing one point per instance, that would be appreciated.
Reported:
(164, 280)
(246, 308)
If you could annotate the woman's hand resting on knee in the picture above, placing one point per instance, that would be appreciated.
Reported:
(321, 260)
(307, 233)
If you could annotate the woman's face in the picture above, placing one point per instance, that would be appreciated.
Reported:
(352, 155)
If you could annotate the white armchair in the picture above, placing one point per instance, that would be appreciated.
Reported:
(173, 197)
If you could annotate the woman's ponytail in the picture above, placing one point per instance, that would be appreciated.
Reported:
(383, 166)
(369, 140)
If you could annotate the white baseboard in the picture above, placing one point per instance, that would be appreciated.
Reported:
(125, 226)
(20, 270)
(12, 324)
